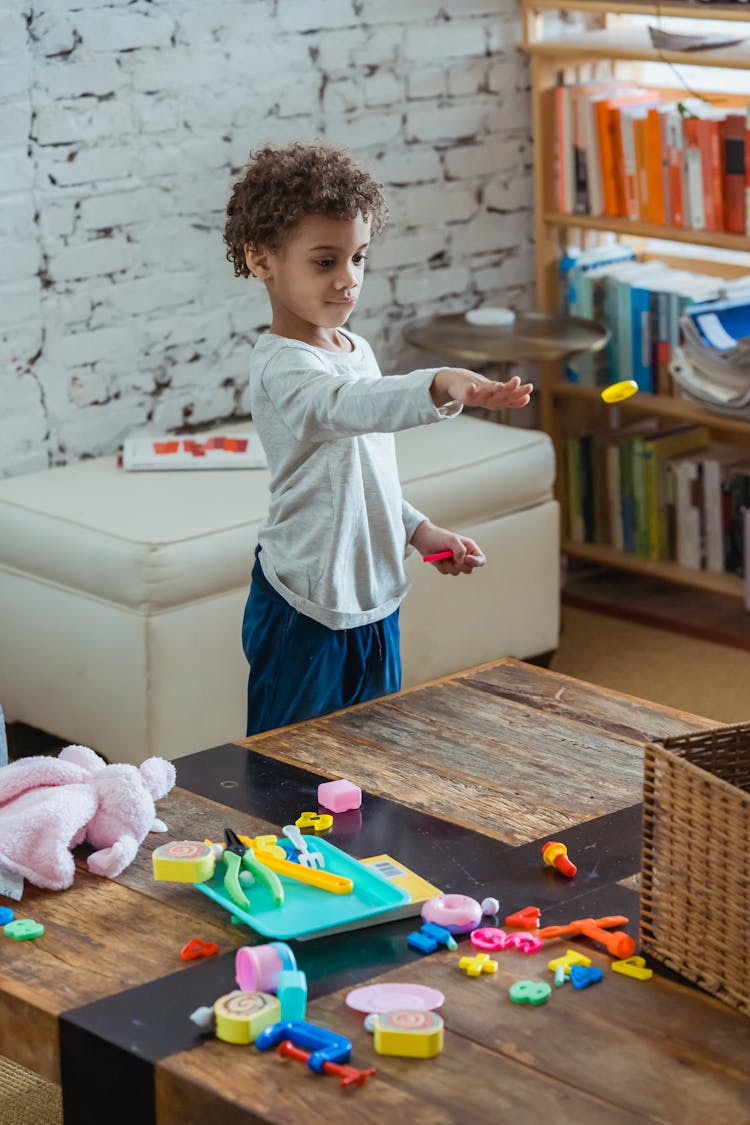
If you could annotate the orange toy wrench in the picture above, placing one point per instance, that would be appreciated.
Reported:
(619, 944)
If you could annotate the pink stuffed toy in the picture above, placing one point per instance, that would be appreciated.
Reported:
(50, 805)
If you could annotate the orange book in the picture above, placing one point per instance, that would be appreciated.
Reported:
(654, 198)
(639, 139)
(610, 147)
(732, 135)
(710, 150)
(694, 189)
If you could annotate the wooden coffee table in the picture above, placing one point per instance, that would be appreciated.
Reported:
(464, 779)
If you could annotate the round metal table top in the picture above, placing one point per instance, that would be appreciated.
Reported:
(533, 336)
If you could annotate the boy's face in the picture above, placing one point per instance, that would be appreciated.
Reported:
(315, 277)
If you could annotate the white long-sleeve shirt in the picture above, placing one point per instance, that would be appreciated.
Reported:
(335, 542)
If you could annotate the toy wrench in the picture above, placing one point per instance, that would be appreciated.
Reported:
(326, 880)
(237, 855)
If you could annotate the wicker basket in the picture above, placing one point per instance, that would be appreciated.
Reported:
(695, 900)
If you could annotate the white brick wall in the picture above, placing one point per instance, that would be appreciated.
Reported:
(123, 124)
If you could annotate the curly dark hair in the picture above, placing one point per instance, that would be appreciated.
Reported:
(282, 185)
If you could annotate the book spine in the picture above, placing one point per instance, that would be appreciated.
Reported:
(747, 169)
(676, 165)
(733, 172)
(630, 174)
(607, 158)
(639, 135)
(713, 514)
(708, 143)
(653, 209)
(640, 515)
(614, 497)
(688, 514)
(579, 155)
(626, 494)
(664, 162)
(696, 218)
(573, 480)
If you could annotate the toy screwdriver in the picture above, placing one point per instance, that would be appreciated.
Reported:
(619, 944)
(237, 855)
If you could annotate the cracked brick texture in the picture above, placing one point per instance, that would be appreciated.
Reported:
(123, 125)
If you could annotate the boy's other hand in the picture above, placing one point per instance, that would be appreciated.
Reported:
(455, 384)
(430, 540)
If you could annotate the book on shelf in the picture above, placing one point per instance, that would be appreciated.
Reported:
(665, 495)
(197, 451)
(628, 151)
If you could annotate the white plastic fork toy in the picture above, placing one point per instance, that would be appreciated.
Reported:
(304, 855)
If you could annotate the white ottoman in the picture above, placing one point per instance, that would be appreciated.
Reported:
(121, 594)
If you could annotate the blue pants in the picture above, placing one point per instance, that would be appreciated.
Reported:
(299, 669)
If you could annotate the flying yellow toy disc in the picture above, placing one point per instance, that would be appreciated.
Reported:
(618, 391)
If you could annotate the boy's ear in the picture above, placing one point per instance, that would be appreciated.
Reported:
(257, 261)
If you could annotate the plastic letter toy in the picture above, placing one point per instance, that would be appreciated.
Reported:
(241, 1016)
(581, 976)
(292, 993)
(560, 977)
(23, 929)
(314, 822)
(409, 1033)
(339, 796)
(183, 861)
(489, 938)
(530, 992)
(428, 937)
(6, 915)
(555, 855)
(633, 967)
(526, 919)
(197, 948)
(570, 957)
(527, 943)
(616, 392)
(478, 964)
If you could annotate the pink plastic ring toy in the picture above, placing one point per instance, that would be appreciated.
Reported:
(456, 913)
(257, 967)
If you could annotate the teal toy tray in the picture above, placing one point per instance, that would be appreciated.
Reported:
(307, 909)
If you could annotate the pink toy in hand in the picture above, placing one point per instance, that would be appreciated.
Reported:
(50, 805)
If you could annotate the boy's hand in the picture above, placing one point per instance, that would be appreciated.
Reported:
(429, 540)
(455, 384)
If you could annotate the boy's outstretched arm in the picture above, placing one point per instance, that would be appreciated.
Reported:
(430, 539)
(456, 384)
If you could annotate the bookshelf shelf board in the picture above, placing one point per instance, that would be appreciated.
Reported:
(674, 8)
(634, 44)
(729, 584)
(634, 229)
(662, 406)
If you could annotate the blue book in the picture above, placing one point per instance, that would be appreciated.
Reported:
(640, 322)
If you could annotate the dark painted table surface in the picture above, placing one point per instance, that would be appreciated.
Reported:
(463, 781)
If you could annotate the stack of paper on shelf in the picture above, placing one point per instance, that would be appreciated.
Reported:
(713, 364)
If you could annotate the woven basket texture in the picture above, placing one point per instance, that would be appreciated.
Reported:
(695, 891)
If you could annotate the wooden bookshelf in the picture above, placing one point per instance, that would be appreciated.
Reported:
(611, 50)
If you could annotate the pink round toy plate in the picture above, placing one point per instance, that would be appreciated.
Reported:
(380, 998)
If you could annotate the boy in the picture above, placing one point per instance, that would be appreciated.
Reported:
(321, 623)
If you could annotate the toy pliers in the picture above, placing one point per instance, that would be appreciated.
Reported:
(237, 855)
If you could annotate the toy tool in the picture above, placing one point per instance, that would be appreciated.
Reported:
(555, 855)
(329, 1050)
(619, 944)
(304, 855)
(337, 884)
(236, 856)
(437, 556)
(616, 392)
